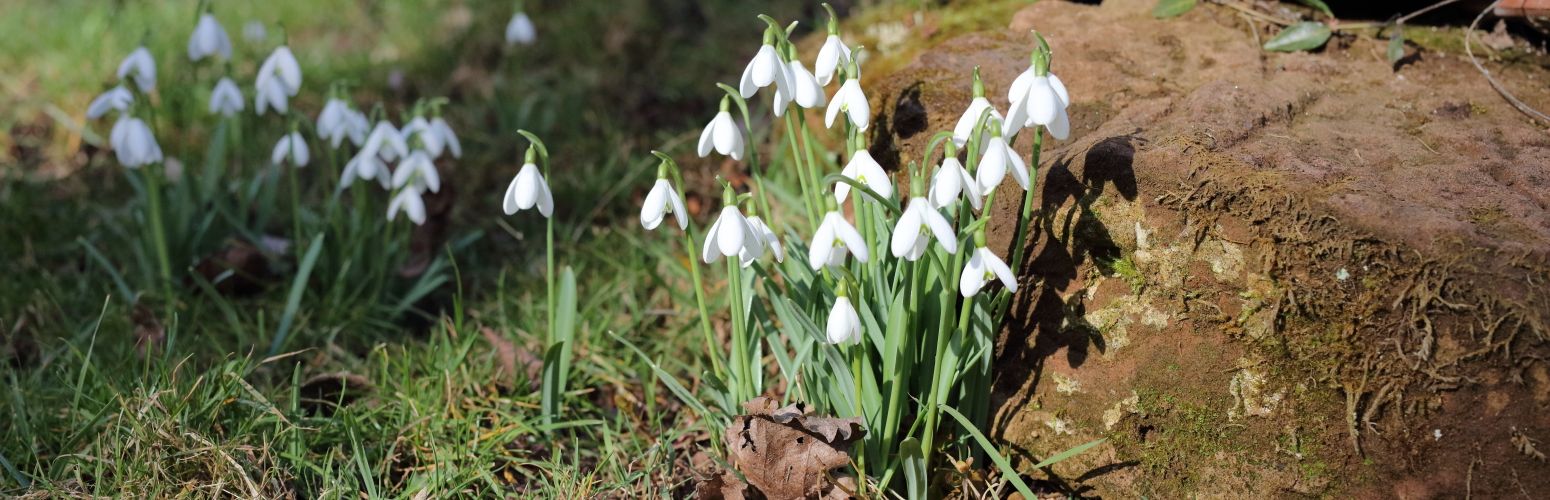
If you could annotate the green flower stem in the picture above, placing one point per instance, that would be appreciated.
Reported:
(740, 366)
(1024, 218)
(699, 285)
(857, 352)
(813, 168)
(159, 234)
(810, 190)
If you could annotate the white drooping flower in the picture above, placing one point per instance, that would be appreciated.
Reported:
(804, 90)
(844, 323)
(254, 32)
(293, 149)
(765, 69)
(727, 236)
(917, 226)
(722, 136)
(141, 67)
(761, 240)
(115, 99)
(417, 169)
(419, 128)
(209, 39)
(983, 267)
(365, 165)
(527, 190)
(1039, 100)
(971, 117)
(867, 171)
(660, 201)
(409, 202)
(998, 158)
(279, 79)
(951, 180)
(133, 143)
(386, 142)
(520, 30)
(440, 128)
(851, 101)
(831, 57)
(226, 99)
(338, 121)
(833, 240)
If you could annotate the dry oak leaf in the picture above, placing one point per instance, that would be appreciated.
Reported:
(784, 452)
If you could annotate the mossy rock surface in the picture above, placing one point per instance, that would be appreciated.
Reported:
(1257, 274)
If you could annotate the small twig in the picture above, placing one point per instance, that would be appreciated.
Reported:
(1500, 89)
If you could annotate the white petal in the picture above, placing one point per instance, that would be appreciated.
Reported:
(844, 323)
(745, 85)
(766, 66)
(941, 229)
(726, 136)
(849, 236)
(973, 277)
(971, 118)
(907, 231)
(527, 187)
(829, 59)
(1060, 89)
(281, 150)
(992, 167)
(1042, 102)
(709, 251)
(676, 204)
(733, 230)
(822, 246)
(1060, 129)
(1019, 86)
(655, 207)
(1000, 269)
(946, 183)
(545, 198)
(448, 137)
(1018, 167)
(1016, 116)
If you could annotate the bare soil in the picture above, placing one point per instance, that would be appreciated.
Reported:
(1263, 274)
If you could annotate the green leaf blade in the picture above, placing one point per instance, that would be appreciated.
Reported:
(1306, 35)
(1172, 8)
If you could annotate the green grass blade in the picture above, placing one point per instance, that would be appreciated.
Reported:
(1006, 467)
(298, 288)
(1074, 451)
(666, 378)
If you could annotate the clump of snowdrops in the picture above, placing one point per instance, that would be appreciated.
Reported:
(182, 214)
(879, 298)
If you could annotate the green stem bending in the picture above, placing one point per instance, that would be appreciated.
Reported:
(159, 235)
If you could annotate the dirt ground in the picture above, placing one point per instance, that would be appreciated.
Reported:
(1267, 274)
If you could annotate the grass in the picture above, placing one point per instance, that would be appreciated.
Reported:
(386, 385)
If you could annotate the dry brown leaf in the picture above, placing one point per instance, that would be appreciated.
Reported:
(149, 332)
(784, 452)
(509, 356)
(247, 265)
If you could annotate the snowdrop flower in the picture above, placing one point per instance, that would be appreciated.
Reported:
(660, 201)
(410, 203)
(140, 66)
(971, 116)
(279, 79)
(254, 32)
(834, 238)
(852, 101)
(722, 135)
(765, 69)
(865, 170)
(115, 99)
(226, 99)
(365, 165)
(209, 39)
(727, 236)
(356, 126)
(1039, 98)
(761, 240)
(998, 157)
(133, 143)
(333, 122)
(834, 54)
(950, 180)
(527, 190)
(292, 148)
(983, 267)
(844, 324)
(917, 225)
(419, 128)
(440, 128)
(386, 142)
(520, 30)
(418, 169)
(804, 90)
